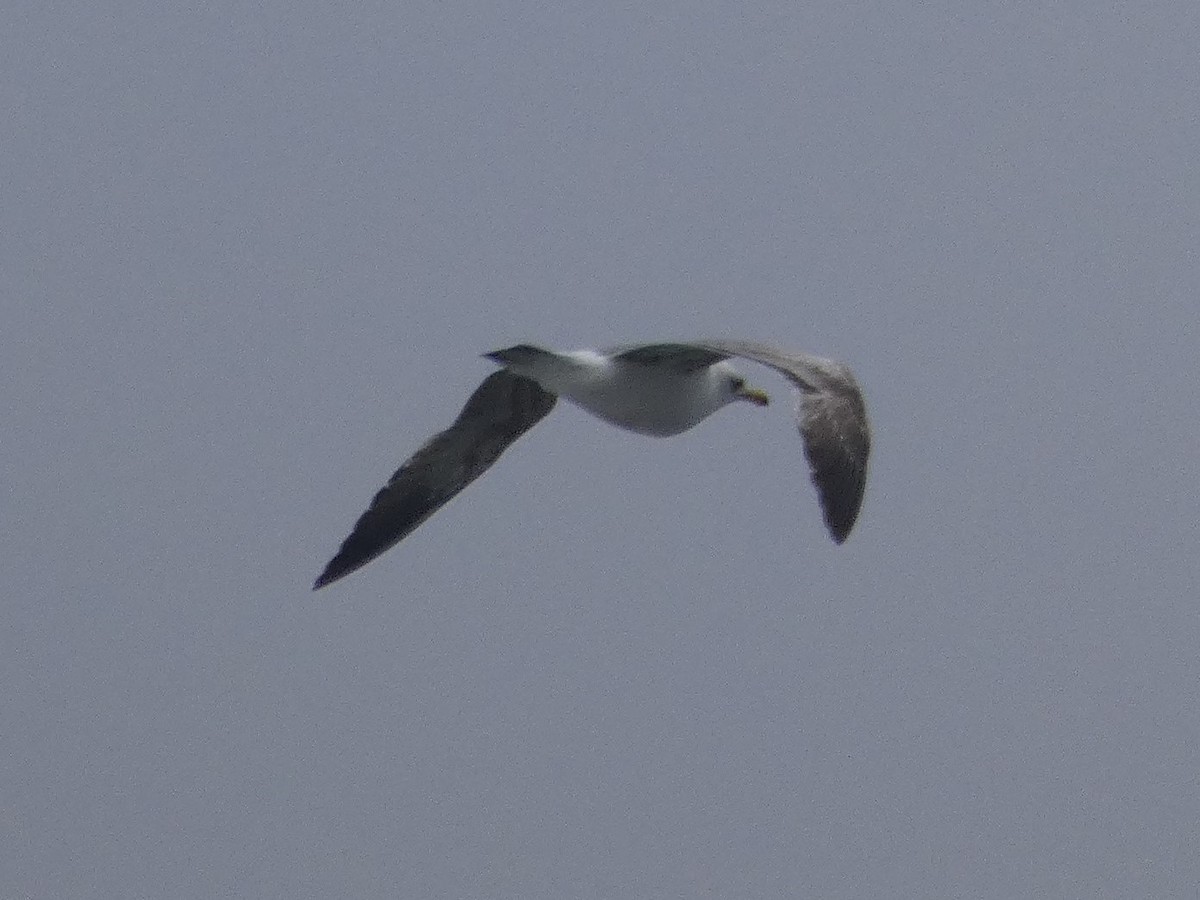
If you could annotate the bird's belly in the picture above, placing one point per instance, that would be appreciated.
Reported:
(658, 410)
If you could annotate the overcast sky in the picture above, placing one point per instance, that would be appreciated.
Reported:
(250, 256)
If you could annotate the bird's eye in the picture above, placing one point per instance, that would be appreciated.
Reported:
(736, 384)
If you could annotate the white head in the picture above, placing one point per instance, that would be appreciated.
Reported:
(735, 388)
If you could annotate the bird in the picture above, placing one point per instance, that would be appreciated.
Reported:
(658, 389)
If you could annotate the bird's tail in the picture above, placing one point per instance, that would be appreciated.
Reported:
(518, 357)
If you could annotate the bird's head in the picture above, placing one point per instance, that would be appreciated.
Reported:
(739, 390)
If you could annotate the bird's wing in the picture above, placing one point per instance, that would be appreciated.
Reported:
(832, 421)
(502, 409)
(683, 358)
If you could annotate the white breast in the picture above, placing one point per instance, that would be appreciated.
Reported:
(646, 400)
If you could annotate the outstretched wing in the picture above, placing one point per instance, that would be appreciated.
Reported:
(502, 409)
(682, 358)
(832, 421)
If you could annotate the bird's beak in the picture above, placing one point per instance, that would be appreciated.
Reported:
(754, 395)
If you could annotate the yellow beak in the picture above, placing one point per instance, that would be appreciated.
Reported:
(754, 395)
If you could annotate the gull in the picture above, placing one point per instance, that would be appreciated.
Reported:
(654, 389)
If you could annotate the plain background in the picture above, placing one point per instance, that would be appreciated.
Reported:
(250, 256)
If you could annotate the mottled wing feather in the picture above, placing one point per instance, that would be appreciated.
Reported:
(832, 422)
(502, 409)
(837, 443)
(672, 357)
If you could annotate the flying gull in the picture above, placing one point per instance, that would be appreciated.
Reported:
(654, 389)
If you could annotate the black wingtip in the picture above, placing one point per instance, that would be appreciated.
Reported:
(337, 568)
(840, 516)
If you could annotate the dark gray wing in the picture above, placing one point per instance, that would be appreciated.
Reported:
(832, 422)
(502, 409)
(670, 357)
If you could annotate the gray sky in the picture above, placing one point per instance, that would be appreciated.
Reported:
(250, 256)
